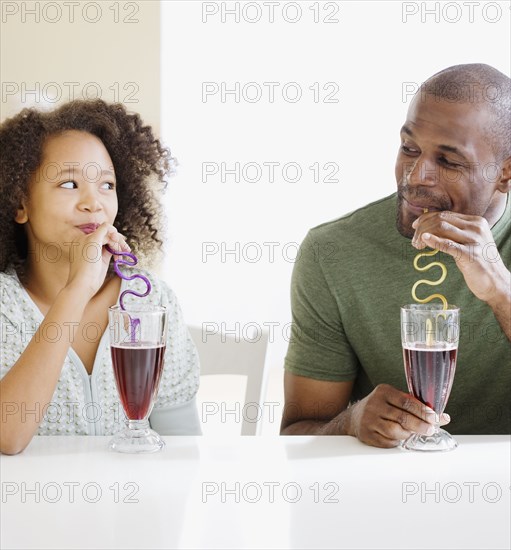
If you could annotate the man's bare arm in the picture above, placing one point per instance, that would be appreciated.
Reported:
(382, 419)
(312, 405)
(501, 304)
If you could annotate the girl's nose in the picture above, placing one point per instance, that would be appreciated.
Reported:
(89, 202)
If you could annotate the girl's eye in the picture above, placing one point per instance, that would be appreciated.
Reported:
(68, 185)
(109, 184)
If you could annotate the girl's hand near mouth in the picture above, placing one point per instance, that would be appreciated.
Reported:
(89, 258)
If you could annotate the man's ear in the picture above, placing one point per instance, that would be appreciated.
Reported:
(504, 185)
(21, 213)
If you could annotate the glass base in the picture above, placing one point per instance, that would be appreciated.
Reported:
(137, 437)
(439, 441)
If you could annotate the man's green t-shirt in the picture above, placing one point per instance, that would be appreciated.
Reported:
(350, 279)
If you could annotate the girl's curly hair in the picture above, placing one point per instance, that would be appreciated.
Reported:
(140, 162)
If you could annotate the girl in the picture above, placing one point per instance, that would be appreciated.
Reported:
(73, 180)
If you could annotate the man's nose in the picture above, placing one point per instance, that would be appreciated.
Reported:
(421, 172)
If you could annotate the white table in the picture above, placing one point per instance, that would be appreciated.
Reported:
(256, 492)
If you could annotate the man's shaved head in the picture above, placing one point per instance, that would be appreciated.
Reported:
(485, 87)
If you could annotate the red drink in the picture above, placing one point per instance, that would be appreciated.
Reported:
(430, 373)
(137, 371)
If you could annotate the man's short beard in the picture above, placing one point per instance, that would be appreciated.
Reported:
(408, 233)
(439, 203)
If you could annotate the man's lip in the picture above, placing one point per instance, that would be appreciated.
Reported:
(419, 208)
(88, 227)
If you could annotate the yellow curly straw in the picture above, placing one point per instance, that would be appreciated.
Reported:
(426, 281)
(429, 324)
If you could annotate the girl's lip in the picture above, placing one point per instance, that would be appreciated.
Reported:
(88, 227)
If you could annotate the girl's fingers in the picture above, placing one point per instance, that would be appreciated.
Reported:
(109, 235)
(119, 245)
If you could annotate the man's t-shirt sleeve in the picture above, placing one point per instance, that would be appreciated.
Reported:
(318, 346)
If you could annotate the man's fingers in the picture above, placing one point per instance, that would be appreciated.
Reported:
(410, 414)
(447, 235)
(400, 424)
(392, 430)
(385, 442)
(413, 415)
(455, 230)
(461, 217)
(460, 252)
(461, 221)
(444, 419)
(447, 246)
(407, 403)
(387, 416)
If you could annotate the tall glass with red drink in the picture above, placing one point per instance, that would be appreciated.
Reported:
(137, 341)
(430, 335)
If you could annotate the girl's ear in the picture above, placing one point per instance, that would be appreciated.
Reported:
(21, 213)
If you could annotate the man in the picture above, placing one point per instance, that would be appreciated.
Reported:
(344, 367)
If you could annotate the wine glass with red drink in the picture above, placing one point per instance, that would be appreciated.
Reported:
(430, 335)
(138, 338)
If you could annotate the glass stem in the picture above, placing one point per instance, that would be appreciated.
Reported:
(137, 425)
(437, 423)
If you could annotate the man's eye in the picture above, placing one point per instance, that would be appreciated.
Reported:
(443, 160)
(407, 150)
(68, 185)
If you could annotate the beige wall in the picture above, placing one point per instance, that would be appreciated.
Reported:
(72, 49)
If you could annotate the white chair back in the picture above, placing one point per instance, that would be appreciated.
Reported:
(227, 354)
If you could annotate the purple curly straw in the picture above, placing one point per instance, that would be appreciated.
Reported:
(120, 261)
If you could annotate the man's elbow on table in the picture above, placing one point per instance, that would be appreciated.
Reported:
(315, 407)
